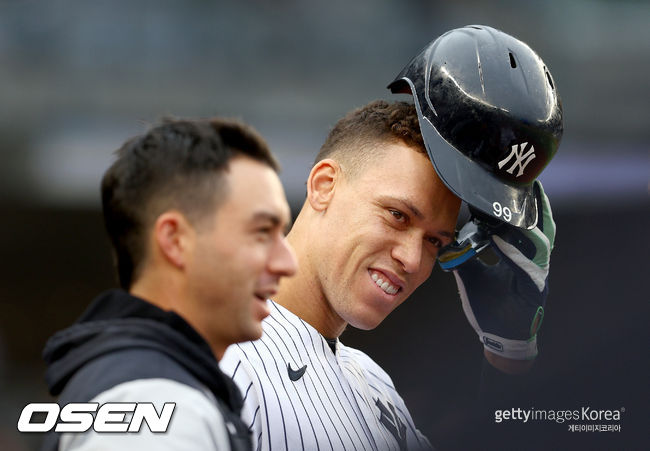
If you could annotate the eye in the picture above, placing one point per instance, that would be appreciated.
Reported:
(264, 233)
(398, 215)
(435, 241)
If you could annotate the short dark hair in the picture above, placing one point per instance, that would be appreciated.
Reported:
(355, 135)
(175, 165)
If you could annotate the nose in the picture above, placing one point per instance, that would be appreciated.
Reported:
(282, 261)
(409, 252)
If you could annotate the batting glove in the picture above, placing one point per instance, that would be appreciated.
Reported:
(504, 302)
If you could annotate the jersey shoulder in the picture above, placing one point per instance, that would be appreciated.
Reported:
(245, 354)
(284, 338)
(365, 363)
(196, 421)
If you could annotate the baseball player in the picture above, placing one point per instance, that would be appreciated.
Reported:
(199, 249)
(377, 215)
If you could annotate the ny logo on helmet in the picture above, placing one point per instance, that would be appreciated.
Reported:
(521, 159)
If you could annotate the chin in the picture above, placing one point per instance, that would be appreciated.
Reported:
(253, 333)
(364, 322)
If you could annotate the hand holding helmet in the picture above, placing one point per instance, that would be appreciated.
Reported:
(504, 302)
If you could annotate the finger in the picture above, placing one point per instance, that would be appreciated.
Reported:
(548, 224)
(538, 274)
(467, 306)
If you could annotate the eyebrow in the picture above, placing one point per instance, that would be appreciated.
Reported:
(414, 210)
(418, 214)
(446, 234)
(275, 219)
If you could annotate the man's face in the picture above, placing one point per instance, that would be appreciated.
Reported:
(241, 253)
(385, 227)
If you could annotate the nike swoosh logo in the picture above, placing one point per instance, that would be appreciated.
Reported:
(294, 375)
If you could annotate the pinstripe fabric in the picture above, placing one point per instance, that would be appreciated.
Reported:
(344, 401)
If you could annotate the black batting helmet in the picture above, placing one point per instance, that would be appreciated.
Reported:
(490, 116)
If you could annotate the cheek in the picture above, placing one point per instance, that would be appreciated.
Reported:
(425, 273)
(373, 236)
(253, 258)
(346, 254)
(353, 241)
(238, 263)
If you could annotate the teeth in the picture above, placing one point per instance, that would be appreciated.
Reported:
(384, 284)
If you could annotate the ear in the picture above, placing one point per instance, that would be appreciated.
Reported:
(322, 182)
(174, 237)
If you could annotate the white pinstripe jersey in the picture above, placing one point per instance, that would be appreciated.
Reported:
(342, 401)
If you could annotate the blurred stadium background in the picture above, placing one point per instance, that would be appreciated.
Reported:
(79, 77)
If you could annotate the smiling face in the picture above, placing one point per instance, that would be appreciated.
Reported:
(240, 254)
(381, 232)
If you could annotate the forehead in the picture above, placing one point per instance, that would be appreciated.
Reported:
(398, 171)
(397, 166)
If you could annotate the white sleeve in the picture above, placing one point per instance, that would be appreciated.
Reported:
(236, 365)
(196, 422)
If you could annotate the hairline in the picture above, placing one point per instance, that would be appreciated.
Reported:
(355, 162)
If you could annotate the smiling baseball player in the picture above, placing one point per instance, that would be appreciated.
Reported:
(377, 215)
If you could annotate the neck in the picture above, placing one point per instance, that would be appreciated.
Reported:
(167, 292)
(303, 294)
(156, 289)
